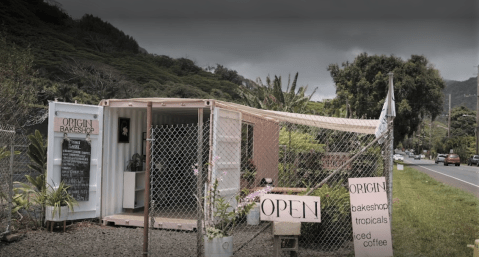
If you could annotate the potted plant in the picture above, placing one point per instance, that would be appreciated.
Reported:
(136, 163)
(58, 202)
(218, 239)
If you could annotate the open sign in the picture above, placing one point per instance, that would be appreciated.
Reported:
(290, 208)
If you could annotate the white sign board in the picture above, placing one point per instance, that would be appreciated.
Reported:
(400, 167)
(73, 125)
(290, 208)
(370, 217)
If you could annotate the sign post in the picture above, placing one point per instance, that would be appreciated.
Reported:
(370, 217)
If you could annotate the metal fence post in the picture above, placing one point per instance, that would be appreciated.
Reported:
(199, 185)
(147, 178)
(390, 148)
(10, 187)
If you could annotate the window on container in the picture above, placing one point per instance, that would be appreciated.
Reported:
(248, 167)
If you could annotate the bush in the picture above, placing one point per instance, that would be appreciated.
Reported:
(335, 227)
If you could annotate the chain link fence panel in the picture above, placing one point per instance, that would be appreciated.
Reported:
(173, 183)
(245, 158)
(13, 168)
(7, 139)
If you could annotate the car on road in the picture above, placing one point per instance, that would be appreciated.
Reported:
(473, 160)
(440, 158)
(423, 156)
(411, 155)
(417, 157)
(452, 158)
(398, 157)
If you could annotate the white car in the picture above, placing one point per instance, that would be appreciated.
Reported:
(423, 156)
(398, 157)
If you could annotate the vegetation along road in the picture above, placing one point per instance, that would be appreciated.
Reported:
(463, 177)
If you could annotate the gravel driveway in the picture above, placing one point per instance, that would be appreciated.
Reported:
(91, 239)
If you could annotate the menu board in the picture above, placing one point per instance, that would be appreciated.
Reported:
(75, 169)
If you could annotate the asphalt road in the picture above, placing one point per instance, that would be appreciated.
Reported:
(463, 177)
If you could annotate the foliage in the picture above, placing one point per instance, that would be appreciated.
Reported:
(37, 151)
(89, 59)
(26, 193)
(226, 74)
(463, 122)
(135, 163)
(103, 36)
(4, 152)
(58, 197)
(335, 212)
(463, 146)
(17, 82)
(364, 82)
(297, 141)
(315, 108)
(272, 97)
(225, 216)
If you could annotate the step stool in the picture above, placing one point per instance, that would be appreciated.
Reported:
(286, 238)
(52, 223)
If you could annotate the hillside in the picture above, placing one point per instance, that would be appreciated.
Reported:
(89, 59)
(459, 91)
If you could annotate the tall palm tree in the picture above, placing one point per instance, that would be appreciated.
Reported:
(270, 96)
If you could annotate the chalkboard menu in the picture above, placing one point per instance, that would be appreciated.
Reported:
(75, 171)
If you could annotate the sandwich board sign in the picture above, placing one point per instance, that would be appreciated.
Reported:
(370, 217)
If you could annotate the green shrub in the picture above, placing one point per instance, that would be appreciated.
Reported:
(335, 226)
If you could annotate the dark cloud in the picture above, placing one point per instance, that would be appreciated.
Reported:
(258, 38)
(275, 9)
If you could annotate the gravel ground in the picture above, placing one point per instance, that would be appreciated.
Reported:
(91, 239)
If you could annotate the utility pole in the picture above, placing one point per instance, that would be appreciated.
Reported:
(477, 113)
(449, 119)
(347, 105)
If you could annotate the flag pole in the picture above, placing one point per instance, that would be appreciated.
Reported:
(390, 146)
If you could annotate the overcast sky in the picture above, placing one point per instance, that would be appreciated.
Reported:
(279, 37)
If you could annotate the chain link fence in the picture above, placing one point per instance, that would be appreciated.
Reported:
(246, 157)
(173, 184)
(7, 139)
(13, 168)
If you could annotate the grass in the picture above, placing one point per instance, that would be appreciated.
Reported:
(431, 218)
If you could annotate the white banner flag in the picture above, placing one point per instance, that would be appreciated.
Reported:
(383, 121)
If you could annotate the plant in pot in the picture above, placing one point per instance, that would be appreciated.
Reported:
(58, 202)
(136, 163)
(219, 228)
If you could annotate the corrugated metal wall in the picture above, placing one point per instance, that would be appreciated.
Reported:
(265, 157)
(116, 155)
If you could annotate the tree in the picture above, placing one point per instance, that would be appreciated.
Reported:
(96, 79)
(364, 82)
(226, 74)
(272, 97)
(463, 122)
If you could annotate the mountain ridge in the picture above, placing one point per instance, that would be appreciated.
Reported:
(463, 93)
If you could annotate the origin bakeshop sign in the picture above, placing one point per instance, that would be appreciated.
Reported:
(290, 208)
(72, 125)
(370, 217)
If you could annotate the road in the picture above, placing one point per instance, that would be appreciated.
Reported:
(463, 177)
